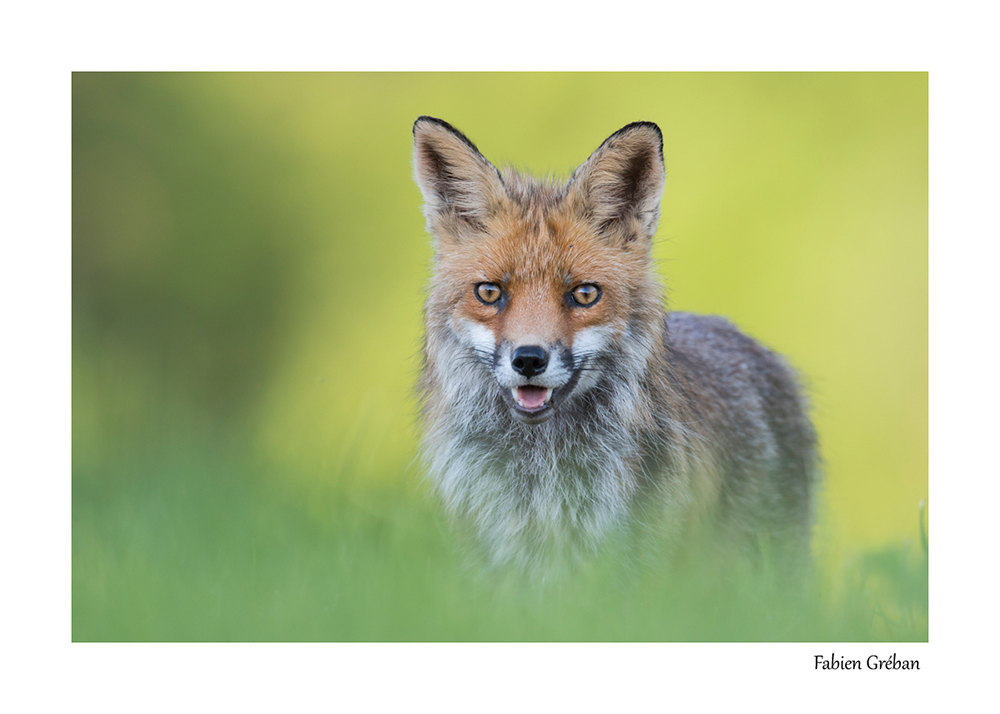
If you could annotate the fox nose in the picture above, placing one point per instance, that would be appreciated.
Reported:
(530, 360)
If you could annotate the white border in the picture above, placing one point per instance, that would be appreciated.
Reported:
(45, 43)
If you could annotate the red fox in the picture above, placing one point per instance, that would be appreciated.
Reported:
(561, 402)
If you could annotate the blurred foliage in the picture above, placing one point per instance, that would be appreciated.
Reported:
(208, 547)
(249, 262)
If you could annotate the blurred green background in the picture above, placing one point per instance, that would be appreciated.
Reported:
(249, 265)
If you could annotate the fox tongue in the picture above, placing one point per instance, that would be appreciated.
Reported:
(532, 397)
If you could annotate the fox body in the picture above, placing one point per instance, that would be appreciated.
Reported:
(561, 402)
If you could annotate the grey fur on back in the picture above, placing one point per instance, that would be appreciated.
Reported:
(749, 404)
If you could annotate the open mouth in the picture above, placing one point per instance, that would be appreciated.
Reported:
(530, 398)
(534, 404)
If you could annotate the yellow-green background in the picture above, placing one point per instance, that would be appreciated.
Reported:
(249, 261)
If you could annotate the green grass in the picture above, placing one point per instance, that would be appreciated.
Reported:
(189, 541)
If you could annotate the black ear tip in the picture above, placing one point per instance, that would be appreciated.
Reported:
(645, 125)
(423, 118)
(648, 124)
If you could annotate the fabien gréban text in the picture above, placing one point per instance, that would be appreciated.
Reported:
(873, 662)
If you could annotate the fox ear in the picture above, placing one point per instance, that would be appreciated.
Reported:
(457, 182)
(621, 183)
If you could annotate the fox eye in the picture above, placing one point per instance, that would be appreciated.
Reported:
(488, 293)
(586, 294)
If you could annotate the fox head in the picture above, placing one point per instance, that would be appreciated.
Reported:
(543, 288)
